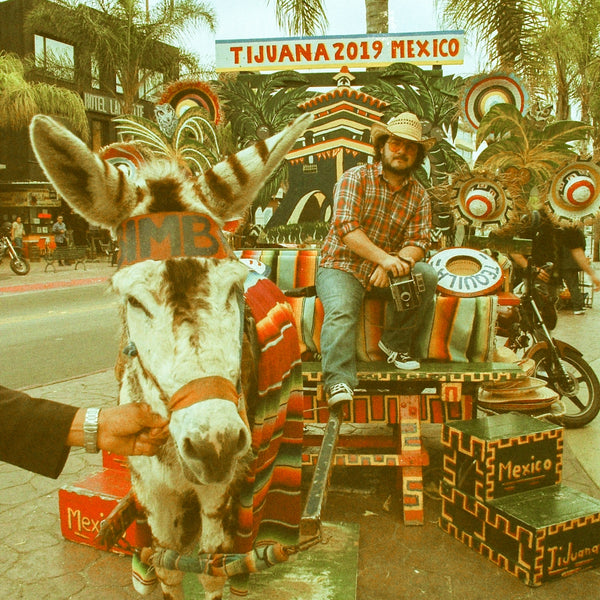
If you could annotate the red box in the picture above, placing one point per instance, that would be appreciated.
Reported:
(114, 461)
(83, 506)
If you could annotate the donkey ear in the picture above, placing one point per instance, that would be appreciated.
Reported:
(231, 185)
(94, 188)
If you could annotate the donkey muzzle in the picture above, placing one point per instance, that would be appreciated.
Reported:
(211, 436)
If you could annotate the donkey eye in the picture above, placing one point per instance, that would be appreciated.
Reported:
(135, 303)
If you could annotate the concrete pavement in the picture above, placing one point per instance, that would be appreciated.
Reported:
(395, 562)
(66, 276)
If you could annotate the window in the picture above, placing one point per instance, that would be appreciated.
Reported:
(95, 74)
(118, 84)
(54, 57)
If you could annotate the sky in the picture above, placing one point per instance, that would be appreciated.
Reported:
(255, 19)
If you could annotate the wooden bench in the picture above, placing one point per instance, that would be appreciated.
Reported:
(76, 254)
(442, 390)
(436, 393)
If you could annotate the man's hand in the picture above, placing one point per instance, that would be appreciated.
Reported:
(394, 266)
(380, 276)
(543, 275)
(131, 429)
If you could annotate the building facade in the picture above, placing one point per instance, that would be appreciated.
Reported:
(24, 190)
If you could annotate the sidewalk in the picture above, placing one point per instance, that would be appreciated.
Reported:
(395, 562)
(39, 279)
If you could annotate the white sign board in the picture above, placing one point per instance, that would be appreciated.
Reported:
(373, 50)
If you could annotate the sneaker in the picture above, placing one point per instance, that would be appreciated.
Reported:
(401, 360)
(581, 311)
(339, 392)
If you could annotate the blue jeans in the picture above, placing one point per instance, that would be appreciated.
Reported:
(571, 278)
(342, 295)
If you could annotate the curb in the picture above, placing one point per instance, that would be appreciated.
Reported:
(33, 287)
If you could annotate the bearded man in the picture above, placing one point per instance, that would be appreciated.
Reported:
(380, 229)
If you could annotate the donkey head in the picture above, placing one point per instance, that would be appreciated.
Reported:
(179, 283)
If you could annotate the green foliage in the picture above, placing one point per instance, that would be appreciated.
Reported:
(271, 105)
(20, 99)
(259, 112)
(294, 233)
(434, 99)
(123, 37)
(517, 143)
(301, 17)
(503, 28)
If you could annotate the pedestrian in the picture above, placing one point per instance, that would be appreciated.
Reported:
(59, 229)
(380, 229)
(17, 232)
(571, 261)
(558, 254)
(36, 434)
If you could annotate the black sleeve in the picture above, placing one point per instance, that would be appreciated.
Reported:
(573, 237)
(33, 432)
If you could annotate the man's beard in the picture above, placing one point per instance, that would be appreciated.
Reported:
(402, 172)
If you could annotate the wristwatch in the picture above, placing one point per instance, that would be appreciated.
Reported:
(90, 430)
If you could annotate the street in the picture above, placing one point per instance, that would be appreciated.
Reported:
(56, 334)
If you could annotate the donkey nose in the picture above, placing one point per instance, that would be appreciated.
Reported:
(217, 456)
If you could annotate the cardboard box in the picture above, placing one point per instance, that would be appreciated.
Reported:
(496, 456)
(83, 506)
(537, 536)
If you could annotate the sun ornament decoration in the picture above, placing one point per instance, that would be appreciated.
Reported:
(575, 193)
(480, 201)
(485, 90)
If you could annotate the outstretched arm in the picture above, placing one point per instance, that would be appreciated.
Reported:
(127, 429)
(583, 263)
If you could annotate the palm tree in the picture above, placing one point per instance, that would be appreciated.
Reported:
(307, 17)
(20, 99)
(124, 37)
(301, 17)
(524, 154)
(434, 99)
(259, 112)
(504, 28)
(377, 16)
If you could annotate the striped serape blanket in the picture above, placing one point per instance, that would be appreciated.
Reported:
(462, 329)
(270, 503)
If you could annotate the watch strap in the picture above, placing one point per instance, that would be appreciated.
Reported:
(90, 430)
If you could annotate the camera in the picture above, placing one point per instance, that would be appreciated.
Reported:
(406, 291)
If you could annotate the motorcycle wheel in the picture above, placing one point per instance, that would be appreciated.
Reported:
(20, 266)
(583, 403)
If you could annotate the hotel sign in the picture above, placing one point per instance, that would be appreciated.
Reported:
(373, 50)
(107, 105)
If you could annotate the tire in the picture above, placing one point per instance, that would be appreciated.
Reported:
(20, 266)
(583, 404)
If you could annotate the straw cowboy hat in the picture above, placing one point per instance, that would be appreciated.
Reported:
(406, 126)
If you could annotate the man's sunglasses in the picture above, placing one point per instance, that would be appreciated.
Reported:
(396, 144)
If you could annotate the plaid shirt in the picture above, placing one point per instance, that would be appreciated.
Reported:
(391, 220)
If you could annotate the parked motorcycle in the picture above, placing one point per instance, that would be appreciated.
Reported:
(527, 328)
(18, 263)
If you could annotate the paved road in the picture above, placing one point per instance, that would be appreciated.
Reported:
(56, 334)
